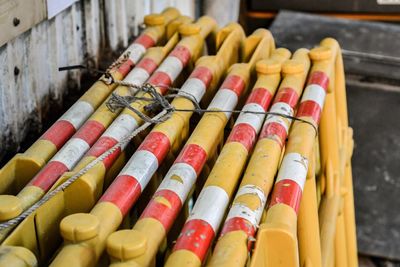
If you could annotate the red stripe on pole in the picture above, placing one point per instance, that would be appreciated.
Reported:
(204, 74)
(123, 192)
(194, 155)
(196, 236)
(311, 109)
(145, 40)
(59, 133)
(101, 146)
(157, 143)
(238, 224)
(234, 83)
(243, 133)
(275, 131)
(48, 175)
(165, 214)
(288, 96)
(286, 192)
(182, 53)
(320, 78)
(161, 80)
(90, 131)
(126, 67)
(260, 96)
(147, 64)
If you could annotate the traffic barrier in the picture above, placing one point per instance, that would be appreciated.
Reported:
(44, 224)
(107, 218)
(202, 225)
(72, 151)
(309, 219)
(67, 158)
(242, 221)
(282, 240)
(138, 246)
(23, 167)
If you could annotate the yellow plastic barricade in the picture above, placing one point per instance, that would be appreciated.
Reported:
(159, 215)
(42, 225)
(23, 167)
(244, 216)
(283, 238)
(109, 217)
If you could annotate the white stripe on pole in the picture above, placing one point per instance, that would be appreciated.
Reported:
(78, 113)
(71, 153)
(210, 206)
(294, 167)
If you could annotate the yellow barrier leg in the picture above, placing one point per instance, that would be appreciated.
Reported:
(340, 242)
(308, 235)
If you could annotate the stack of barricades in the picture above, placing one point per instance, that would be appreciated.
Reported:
(100, 188)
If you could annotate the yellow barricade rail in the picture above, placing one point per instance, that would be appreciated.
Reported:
(245, 214)
(156, 220)
(23, 167)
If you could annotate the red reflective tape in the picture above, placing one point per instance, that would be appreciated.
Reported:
(311, 109)
(126, 67)
(101, 146)
(147, 64)
(48, 175)
(204, 74)
(196, 236)
(194, 155)
(260, 96)
(275, 131)
(243, 133)
(59, 133)
(288, 96)
(157, 143)
(238, 224)
(161, 80)
(123, 193)
(90, 131)
(286, 192)
(234, 83)
(145, 40)
(182, 53)
(165, 214)
(320, 78)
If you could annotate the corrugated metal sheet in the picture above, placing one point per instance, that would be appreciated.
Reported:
(29, 76)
